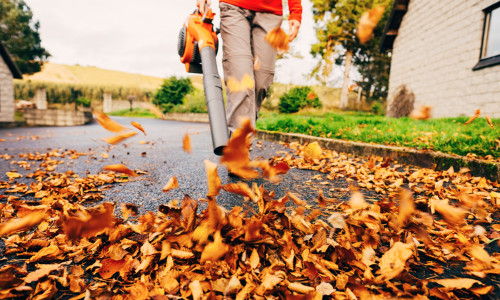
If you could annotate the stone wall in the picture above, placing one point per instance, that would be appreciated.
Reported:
(56, 117)
(437, 46)
(6, 93)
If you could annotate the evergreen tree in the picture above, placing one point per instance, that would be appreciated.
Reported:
(19, 34)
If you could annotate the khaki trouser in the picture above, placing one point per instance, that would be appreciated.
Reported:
(243, 35)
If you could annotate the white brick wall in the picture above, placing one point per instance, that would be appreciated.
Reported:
(437, 46)
(6, 93)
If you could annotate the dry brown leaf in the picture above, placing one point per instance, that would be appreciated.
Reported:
(138, 126)
(325, 289)
(233, 286)
(393, 262)
(296, 199)
(107, 123)
(490, 123)
(171, 184)
(451, 214)
(214, 182)
(235, 155)
(406, 207)
(129, 209)
(475, 116)
(300, 288)
(312, 151)
(278, 39)
(254, 259)
(24, 223)
(357, 201)
(13, 175)
(214, 250)
(118, 138)
(421, 113)
(42, 271)
(90, 222)
(110, 267)
(457, 283)
(246, 83)
(186, 143)
(480, 254)
(196, 290)
(119, 168)
(368, 22)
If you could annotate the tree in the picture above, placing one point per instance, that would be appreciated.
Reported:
(172, 92)
(336, 22)
(19, 34)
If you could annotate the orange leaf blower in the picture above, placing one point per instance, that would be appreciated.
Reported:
(197, 47)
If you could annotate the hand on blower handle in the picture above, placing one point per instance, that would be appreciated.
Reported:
(201, 5)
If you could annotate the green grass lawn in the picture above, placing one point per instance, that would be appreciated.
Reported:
(134, 113)
(448, 135)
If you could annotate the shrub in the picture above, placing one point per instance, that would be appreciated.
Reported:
(82, 101)
(193, 103)
(172, 92)
(298, 98)
(377, 108)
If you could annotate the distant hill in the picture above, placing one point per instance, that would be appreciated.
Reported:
(58, 73)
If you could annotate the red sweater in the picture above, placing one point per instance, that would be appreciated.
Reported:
(270, 6)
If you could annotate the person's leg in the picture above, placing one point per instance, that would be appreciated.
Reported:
(237, 61)
(264, 76)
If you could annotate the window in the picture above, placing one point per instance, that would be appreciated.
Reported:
(490, 45)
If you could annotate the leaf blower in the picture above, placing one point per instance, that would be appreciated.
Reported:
(197, 47)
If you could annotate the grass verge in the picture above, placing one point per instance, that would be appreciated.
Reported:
(134, 113)
(448, 135)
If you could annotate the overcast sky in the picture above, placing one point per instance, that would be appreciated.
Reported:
(139, 36)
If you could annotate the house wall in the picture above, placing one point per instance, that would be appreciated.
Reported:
(437, 46)
(6, 93)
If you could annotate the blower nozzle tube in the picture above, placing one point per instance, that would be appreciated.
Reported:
(215, 101)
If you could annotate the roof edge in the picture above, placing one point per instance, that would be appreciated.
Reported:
(399, 9)
(16, 73)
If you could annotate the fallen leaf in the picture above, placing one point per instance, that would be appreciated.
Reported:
(300, 288)
(214, 250)
(368, 22)
(457, 283)
(138, 126)
(186, 143)
(107, 123)
(110, 267)
(118, 138)
(119, 168)
(240, 188)
(451, 214)
(421, 113)
(25, 223)
(393, 262)
(233, 286)
(312, 151)
(196, 289)
(214, 182)
(406, 207)
(278, 39)
(171, 184)
(475, 116)
(90, 222)
(235, 155)
(246, 83)
(13, 175)
(489, 122)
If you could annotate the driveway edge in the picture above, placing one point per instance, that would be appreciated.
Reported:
(419, 158)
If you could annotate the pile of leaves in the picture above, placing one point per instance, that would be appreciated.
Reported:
(427, 224)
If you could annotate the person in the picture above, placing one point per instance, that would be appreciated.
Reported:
(244, 26)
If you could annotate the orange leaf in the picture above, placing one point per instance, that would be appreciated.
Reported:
(91, 222)
(214, 182)
(457, 283)
(357, 201)
(296, 199)
(43, 270)
(240, 188)
(489, 122)
(368, 22)
(475, 116)
(110, 267)
(451, 214)
(421, 113)
(186, 143)
(107, 123)
(171, 184)
(214, 250)
(480, 254)
(118, 168)
(312, 151)
(129, 209)
(393, 262)
(246, 83)
(118, 138)
(406, 207)
(24, 223)
(278, 39)
(13, 175)
(236, 157)
(138, 126)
